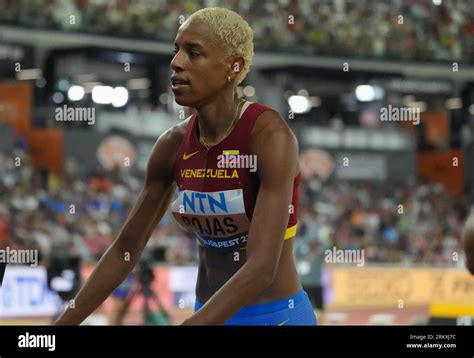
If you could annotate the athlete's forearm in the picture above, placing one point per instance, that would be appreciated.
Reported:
(109, 273)
(246, 284)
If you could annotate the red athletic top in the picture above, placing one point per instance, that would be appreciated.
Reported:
(218, 186)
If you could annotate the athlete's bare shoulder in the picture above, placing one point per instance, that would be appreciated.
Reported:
(271, 124)
(174, 135)
(163, 154)
(269, 120)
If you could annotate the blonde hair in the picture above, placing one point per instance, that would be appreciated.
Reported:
(233, 33)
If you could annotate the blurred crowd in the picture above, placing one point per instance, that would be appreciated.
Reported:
(413, 224)
(78, 210)
(392, 29)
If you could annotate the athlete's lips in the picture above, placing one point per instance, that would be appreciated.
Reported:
(178, 82)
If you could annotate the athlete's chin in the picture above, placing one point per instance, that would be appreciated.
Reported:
(183, 101)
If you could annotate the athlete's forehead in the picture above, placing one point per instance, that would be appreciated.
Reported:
(195, 33)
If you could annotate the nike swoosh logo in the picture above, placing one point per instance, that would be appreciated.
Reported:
(283, 323)
(187, 156)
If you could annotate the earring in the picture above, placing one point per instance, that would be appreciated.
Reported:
(228, 79)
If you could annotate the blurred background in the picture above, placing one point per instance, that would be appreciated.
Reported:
(397, 189)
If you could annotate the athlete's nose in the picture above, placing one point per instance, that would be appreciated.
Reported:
(175, 63)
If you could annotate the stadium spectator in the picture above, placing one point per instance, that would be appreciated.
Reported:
(407, 30)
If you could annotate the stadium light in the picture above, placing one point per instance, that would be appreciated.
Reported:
(63, 85)
(365, 93)
(299, 104)
(164, 98)
(58, 97)
(89, 86)
(408, 99)
(102, 94)
(41, 82)
(29, 74)
(249, 91)
(76, 93)
(368, 93)
(453, 103)
(303, 92)
(138, 83)
(120, 97)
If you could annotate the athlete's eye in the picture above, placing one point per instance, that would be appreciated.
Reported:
(194, 54)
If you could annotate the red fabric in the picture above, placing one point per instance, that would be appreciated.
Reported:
(238, 139)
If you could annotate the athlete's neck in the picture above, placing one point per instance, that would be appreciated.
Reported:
(216, 117)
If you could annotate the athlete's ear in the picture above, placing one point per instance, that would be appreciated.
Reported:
(236, 64)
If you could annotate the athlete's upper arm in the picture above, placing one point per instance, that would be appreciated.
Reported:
(276, 149)
(163, 154)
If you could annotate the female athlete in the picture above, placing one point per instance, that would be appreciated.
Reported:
(235, 165)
